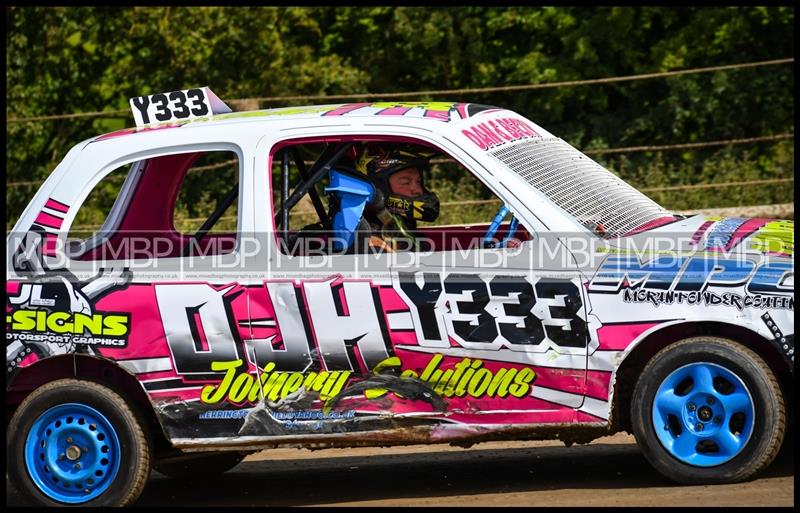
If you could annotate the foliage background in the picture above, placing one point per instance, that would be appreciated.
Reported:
(67, 60)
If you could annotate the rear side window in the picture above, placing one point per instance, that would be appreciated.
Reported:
(205, 187)
(176, 205)
(97, 207)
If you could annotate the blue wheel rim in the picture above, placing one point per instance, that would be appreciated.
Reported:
(703, 414)
(72, 453)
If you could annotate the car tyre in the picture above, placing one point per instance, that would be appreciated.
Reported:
(708, 410)
(201, 466)
(77, 443)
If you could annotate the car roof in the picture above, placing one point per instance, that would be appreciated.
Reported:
(435, 112)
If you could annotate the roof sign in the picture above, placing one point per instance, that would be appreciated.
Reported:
(176, 106)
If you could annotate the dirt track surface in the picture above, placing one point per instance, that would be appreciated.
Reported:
(608, 472)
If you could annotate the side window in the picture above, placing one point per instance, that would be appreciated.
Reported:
(311, 209)
(463, 199)
(168, 206)
(377, 196)
(205, 187)
(96, 208)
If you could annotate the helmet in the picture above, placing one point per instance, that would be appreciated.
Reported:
(380, 163)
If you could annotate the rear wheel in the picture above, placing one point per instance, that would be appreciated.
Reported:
(74, 442)
(708, 410)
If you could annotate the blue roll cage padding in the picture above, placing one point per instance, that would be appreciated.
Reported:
(496, 222)
(512, 229)
(354, 193)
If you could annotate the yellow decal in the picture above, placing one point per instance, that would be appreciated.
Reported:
(41, 321)
(418, 209)
(240, 387)
(435, 106)
(397, 203)
(775, 237)
(464, 378)
(290, 111)
(374, 393)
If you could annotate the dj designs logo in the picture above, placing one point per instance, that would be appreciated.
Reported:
(58, 315)
(54, 313)
(58, 308)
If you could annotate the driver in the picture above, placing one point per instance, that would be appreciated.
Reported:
(398, 173)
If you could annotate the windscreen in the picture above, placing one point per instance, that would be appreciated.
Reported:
(583, 188)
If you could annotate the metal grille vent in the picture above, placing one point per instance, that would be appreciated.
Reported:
(579, 185)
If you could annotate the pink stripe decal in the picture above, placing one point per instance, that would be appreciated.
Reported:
(462, 110)
(49, 245)
(597, 383)
(391, 300)
(438, 114)
(404, 338)
(147, 338)
(183, 395)
(12, 289)
(747, 228)
(616, 337)
(566, 380)
(699, 233)
(343, 301)
(201, 331)
(28, 360)
(393, 111)
(47, 220)
(56, 205)
(345, 109)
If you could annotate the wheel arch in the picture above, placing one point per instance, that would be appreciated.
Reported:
(627, 373)
(100, 370)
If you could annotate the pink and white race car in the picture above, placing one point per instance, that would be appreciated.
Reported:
(317, 303)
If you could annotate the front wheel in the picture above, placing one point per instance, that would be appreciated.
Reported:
(708, 410)
(73, 442)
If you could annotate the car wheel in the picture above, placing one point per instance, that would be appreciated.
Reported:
(201, 466)
(74, 442)
(708, 410)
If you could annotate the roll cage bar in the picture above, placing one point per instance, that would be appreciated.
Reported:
(331, 154)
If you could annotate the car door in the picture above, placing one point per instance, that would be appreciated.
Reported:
(475, 336)
(516, 311)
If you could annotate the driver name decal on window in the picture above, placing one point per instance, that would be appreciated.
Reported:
(499, 131)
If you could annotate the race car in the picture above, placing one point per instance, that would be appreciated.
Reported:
(314, 305)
